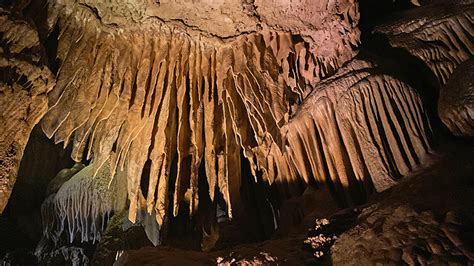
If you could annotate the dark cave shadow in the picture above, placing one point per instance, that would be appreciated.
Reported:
(20, 223)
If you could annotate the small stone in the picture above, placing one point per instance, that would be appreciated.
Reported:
(427, 218)
(435, 246)
(395, 254)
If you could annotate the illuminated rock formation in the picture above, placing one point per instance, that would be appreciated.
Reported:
(215, 111)
(138, 87)
(82, 205)
(25, 81)
(359, 129)
(136, 83)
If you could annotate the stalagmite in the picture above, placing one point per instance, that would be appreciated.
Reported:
(24, 83)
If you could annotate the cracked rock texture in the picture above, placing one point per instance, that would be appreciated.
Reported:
(456, 101)
(24, 84)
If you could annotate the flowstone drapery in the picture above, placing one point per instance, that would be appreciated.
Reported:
(439, 35)
(137, 88)
(83, 204)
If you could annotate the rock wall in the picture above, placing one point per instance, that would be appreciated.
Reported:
(25, 81)
(358, 130)
(439, 34)
(456, 101)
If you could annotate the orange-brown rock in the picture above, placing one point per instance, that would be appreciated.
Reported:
(358, 130)
(152, 81)
(24, 84)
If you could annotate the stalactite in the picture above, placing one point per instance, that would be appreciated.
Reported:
(156, 94)
(82, 205)
(357, 129)
(49, 216)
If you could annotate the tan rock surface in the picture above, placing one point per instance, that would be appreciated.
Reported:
(151, 88)
(24, 83)
(392, 235)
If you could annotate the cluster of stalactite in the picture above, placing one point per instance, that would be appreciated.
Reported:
(151, 95)
(360, 129)
(49, 216)
(83, 204)
(125, 97)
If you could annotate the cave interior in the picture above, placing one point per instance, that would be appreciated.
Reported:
(236, 132)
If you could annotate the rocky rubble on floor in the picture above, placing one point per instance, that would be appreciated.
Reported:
(66, 256)
(263, 258)
(319, 243)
